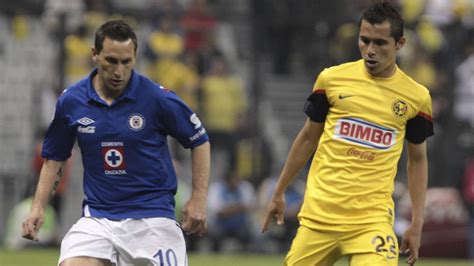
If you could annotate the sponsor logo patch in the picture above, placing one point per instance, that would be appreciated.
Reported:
(365, 134)
(197, 135)
(114, 158)
(195, 120)
(85, 126)
(86, 130)
(364, 155)
(342, 97)
(85, 121)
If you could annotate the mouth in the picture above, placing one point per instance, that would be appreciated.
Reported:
(116, 82)
(371, 63)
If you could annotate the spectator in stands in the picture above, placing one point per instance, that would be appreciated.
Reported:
(223, 102)
(208, 49)
(197, 20)
(77, 48)
(230, 211)
(254, 156)
(169, 65)
(165, 42)
(162, 8)
(464, 91)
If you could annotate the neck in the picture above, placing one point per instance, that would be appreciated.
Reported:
(105, 94)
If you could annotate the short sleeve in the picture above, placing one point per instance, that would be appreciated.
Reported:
(317, 104)
(181, 122)
(420, 127)
(59, 139)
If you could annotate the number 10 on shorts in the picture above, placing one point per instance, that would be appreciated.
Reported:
(166, 258)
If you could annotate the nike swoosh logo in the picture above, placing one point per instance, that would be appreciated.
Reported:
(341, 97)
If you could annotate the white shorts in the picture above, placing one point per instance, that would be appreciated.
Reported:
(150, 241)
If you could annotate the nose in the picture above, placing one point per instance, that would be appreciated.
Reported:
(371, 49)
(118, 71)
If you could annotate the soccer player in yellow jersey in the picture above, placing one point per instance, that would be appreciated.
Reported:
(359, 114)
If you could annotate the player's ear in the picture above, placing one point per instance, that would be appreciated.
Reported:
(95, 55)
(400, 43)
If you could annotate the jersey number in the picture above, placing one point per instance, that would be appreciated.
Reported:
(380, 243)
(170, 256)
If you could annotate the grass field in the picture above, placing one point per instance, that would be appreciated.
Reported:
(48, 257)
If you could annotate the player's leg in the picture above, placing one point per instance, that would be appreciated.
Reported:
(151, 241)
(81, 261)
(374, 245)
(370, 259)
(87, 243)
(312, 247)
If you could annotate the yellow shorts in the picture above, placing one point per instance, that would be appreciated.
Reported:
(368, 244)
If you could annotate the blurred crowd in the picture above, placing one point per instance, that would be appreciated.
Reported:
(180, 47)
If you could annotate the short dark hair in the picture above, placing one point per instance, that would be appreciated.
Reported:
(381, 11)
(116, 30)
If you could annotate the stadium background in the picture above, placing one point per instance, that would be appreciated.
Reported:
(255, 62)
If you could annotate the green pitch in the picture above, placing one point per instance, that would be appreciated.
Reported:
(48, 257)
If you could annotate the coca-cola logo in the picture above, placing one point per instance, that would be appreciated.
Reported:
(364, 155)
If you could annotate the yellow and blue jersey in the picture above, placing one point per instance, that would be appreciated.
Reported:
(366, 120)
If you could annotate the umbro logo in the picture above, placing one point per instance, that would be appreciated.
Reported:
(341, 97)
(85, 121)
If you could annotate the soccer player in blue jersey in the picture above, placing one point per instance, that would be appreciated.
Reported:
(121, 121)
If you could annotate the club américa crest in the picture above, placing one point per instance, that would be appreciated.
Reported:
(399, 108)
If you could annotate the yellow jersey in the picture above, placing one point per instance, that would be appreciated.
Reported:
(366, 120)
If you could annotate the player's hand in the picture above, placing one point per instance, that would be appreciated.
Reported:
(194, 217)
(275, 209)
(31, 225)
(411, 243)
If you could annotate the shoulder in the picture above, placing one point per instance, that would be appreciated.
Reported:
(154, 90)
(342, 68)
(415, 87)
(75, 92)
(325, 77)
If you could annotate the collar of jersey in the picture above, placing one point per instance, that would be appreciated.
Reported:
(130, 92)
(395, 75)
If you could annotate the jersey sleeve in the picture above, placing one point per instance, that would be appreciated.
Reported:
(420, 127)
(317, 104)
(59, 139)
(181, 122)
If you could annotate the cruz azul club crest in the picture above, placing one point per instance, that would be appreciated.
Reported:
(136, 122)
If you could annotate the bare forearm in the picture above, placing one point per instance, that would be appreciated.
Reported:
(49, 178)
(201, 164)
(417, 170)
(417, 182)
(301, 150)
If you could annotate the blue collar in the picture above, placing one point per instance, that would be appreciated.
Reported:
(130, 91)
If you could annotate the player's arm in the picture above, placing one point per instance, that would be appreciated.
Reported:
(195, 209)
(302, 148)
(50, 174)
(417, 170)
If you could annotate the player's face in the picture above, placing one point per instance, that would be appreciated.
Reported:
(378, 48)
(115, 63)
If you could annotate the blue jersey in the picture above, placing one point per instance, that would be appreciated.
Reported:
(128, 172)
